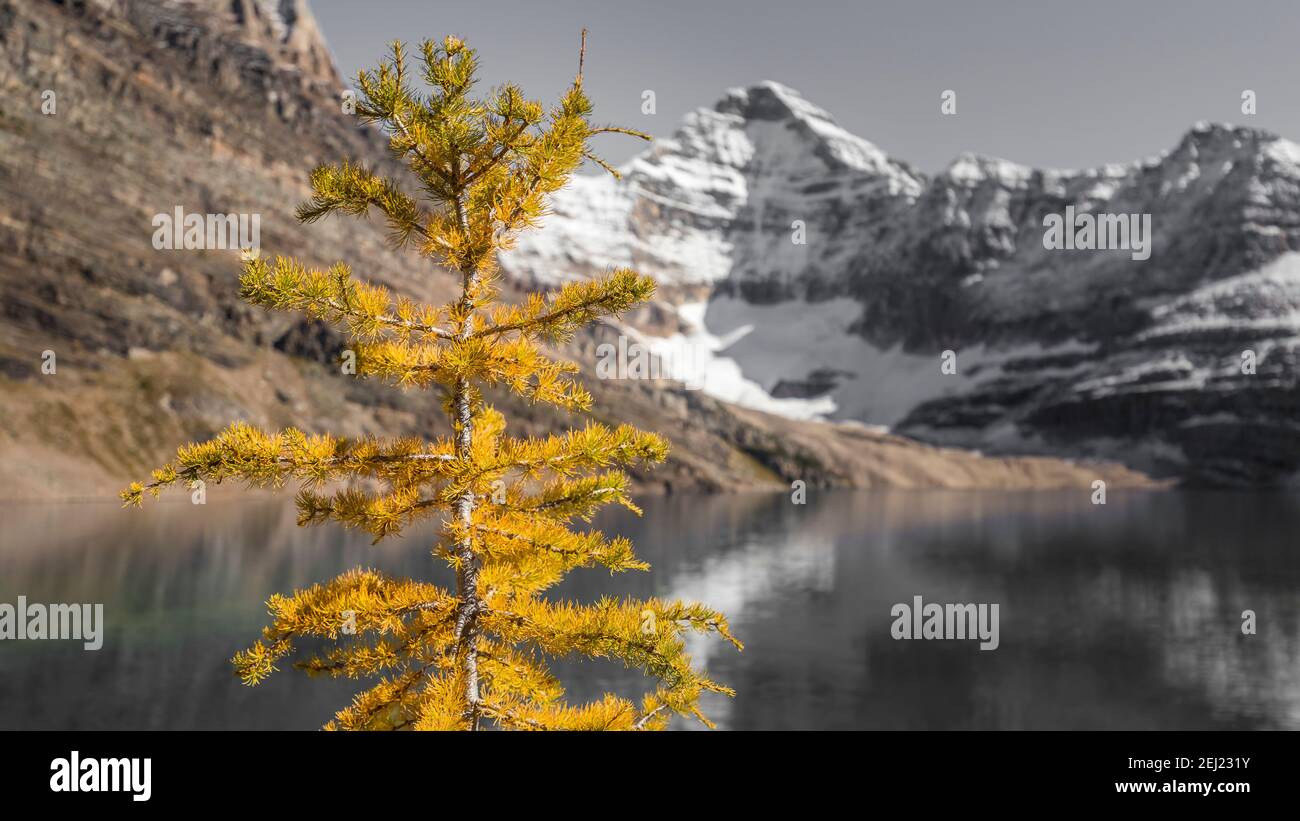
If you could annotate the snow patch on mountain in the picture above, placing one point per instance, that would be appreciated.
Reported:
(1286, 154)
(743, 353)
(972, 169)
(698, 359)
(1267, 300)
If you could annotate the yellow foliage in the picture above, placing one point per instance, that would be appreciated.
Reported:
(453, 659)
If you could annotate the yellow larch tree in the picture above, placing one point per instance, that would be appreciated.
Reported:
(475, 656)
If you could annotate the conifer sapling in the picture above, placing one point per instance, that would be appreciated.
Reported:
(476, 655)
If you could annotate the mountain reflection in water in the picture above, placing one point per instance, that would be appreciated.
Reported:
(1126, 615)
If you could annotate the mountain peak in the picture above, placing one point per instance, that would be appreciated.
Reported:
(801, 128)
(770, 100)
(1220, 136)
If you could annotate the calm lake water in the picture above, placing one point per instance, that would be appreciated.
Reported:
(1126, 615)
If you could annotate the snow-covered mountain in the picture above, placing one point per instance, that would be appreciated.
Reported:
(714, 205)
(1058, 351)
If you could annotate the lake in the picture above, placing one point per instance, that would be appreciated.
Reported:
(1119, 616)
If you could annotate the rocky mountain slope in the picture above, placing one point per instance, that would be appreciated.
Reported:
(1077, 352)
(224, 107)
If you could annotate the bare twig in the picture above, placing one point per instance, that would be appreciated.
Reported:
(582, 55)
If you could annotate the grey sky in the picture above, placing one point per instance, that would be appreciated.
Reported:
(1055, 84)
